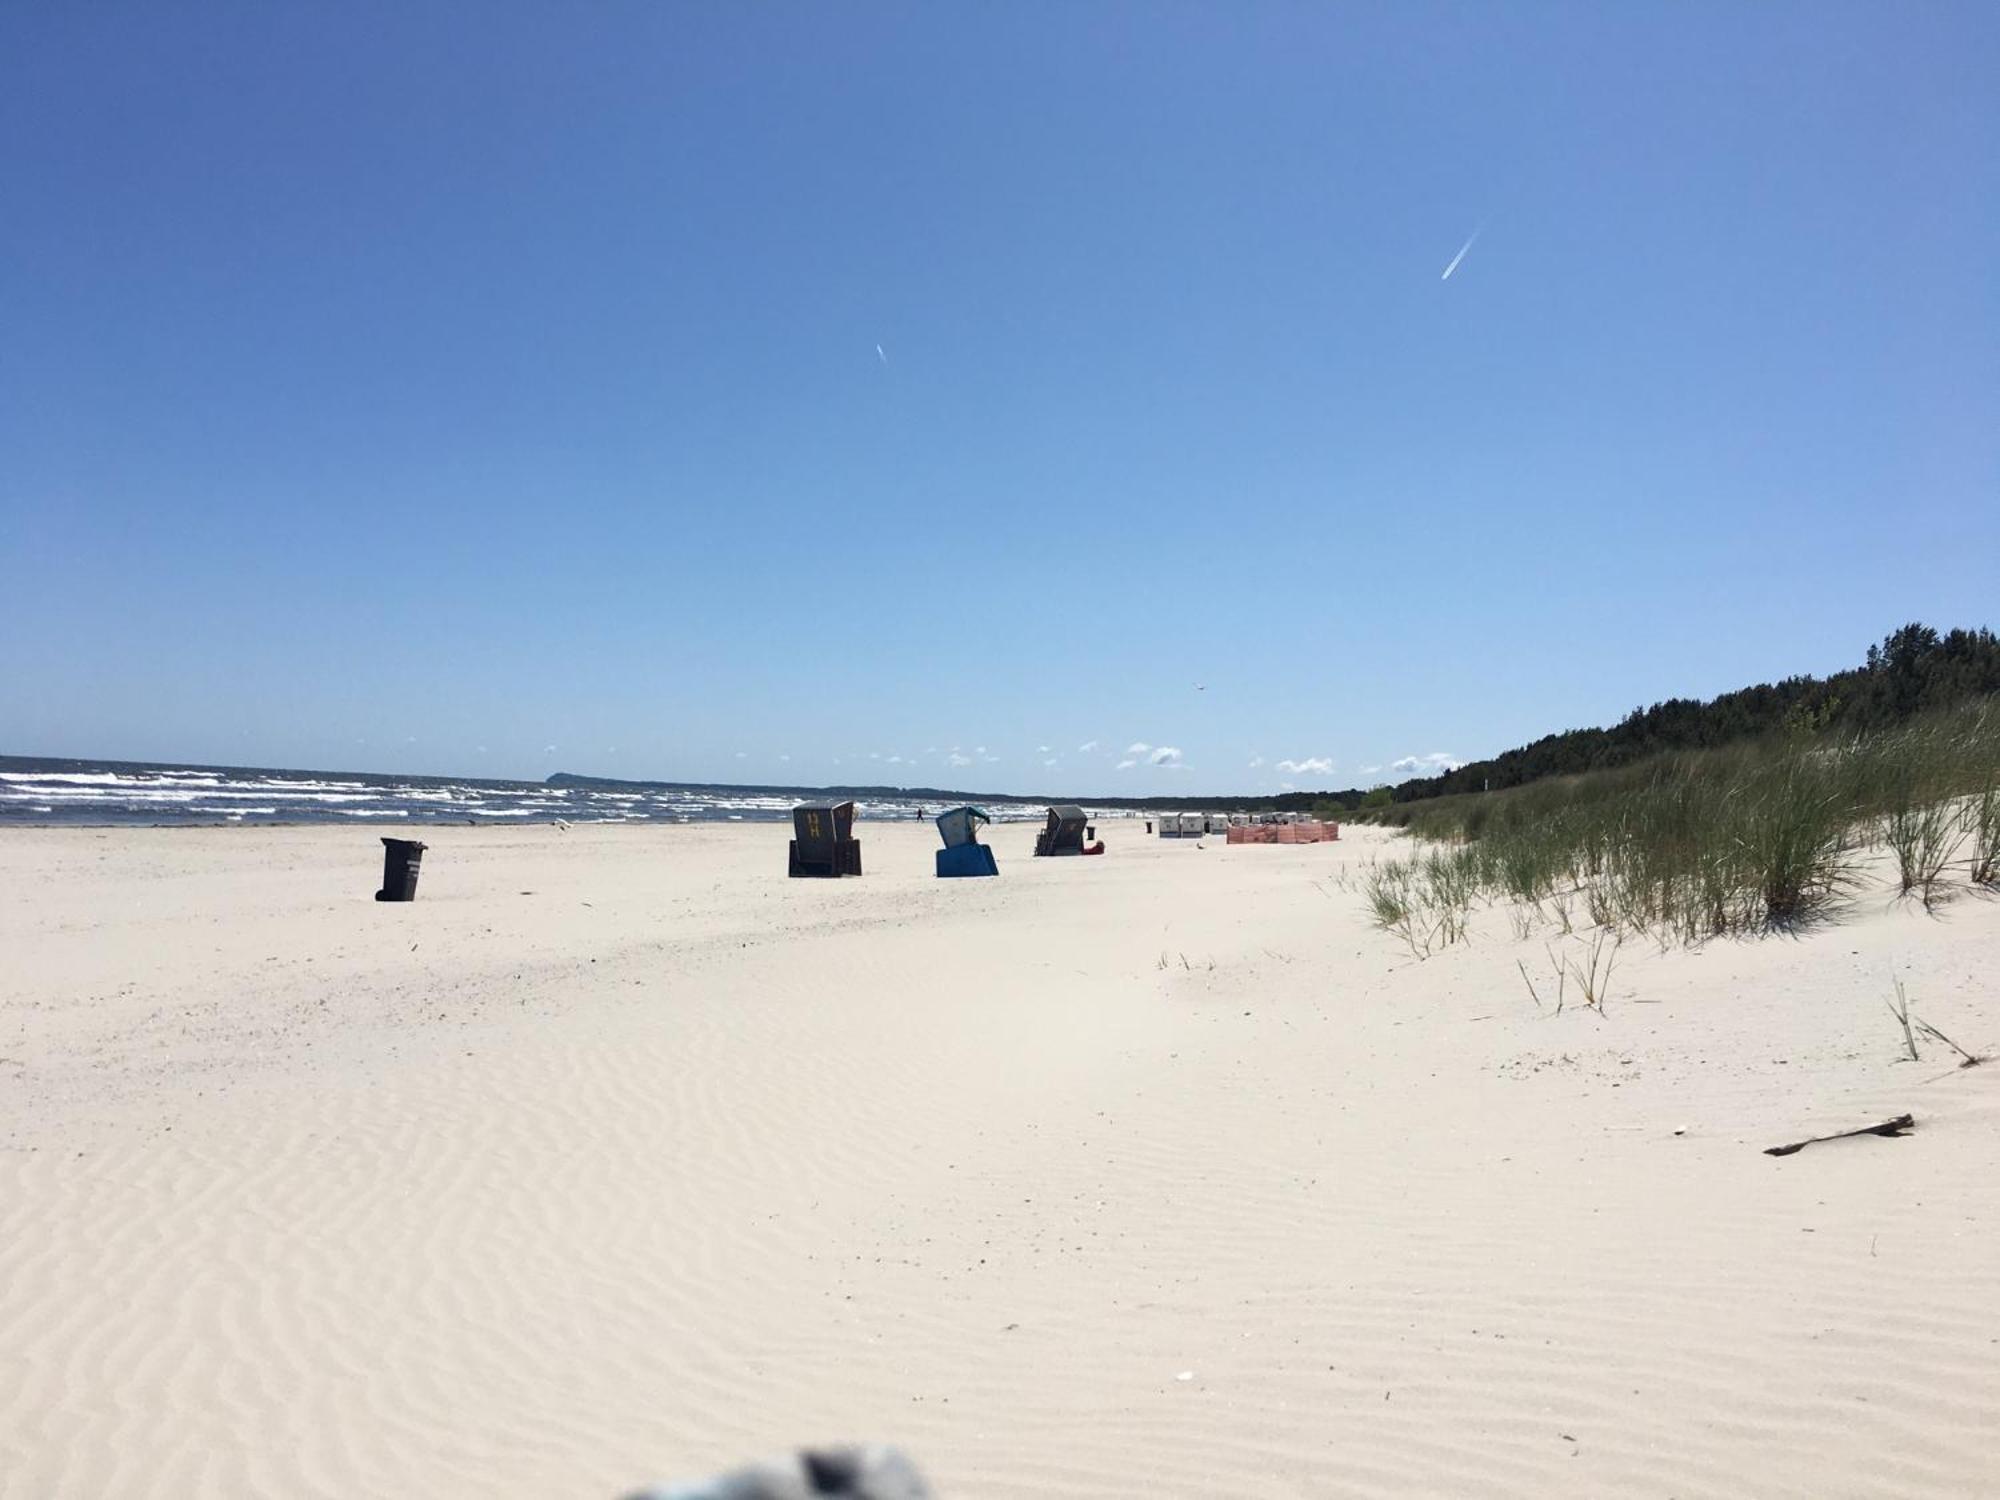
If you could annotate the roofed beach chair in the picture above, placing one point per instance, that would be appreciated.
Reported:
(962, 853)
(823, 841)
(1065, 832)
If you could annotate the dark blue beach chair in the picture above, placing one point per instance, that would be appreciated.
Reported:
(823, 842)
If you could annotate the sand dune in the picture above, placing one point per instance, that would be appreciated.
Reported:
(617, 1155)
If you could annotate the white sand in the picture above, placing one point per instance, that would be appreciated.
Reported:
(617, 1155)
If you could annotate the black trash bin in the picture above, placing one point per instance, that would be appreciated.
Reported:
(401, 859)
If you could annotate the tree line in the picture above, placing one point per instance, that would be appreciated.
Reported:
(1914, 670)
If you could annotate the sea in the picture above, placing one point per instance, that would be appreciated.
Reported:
(102, 793)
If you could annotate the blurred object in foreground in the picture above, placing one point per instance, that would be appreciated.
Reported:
(864, 1472)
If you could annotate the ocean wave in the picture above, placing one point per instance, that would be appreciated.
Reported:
(103, 778)
(94, 794)
(73, 792)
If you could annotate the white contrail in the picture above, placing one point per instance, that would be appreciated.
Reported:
(880, 355)
(1461, 254)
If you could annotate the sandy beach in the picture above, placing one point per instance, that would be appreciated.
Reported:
(617, 1156)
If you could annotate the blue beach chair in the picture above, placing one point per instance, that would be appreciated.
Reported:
(962, 853)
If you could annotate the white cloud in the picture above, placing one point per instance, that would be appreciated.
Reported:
(1256, 761)
(1166, 755)
(1041, 749)
(1137, 747)
(895, 760)
(740, 754)
(1050, 761)
(955, 759)
(978, 749)
(989, 759)
(1085, 749)
(1426, 765)
(1317, 765)
(1126, 765)
(1369, 770)
(784, 757)
(482, 749)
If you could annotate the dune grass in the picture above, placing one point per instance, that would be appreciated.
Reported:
(1982, 826)
(1692, 845)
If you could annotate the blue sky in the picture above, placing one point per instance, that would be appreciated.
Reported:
(495, 389)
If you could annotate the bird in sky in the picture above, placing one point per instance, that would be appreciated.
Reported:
(1461, 254)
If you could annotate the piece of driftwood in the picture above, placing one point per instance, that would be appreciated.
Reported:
(1898, 1126)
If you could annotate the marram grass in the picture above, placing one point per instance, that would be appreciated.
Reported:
(1692, 845)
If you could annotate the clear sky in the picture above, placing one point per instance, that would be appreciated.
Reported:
(968, 394)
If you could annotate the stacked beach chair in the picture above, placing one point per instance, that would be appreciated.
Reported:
(1304, 831)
